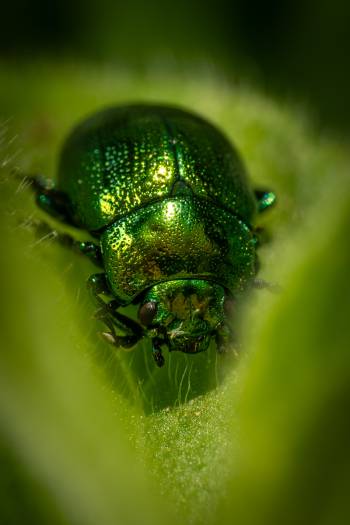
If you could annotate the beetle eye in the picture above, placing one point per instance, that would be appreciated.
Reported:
(147, 312)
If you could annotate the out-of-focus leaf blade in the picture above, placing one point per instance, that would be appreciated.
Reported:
(294, 408)
(66, 428)
(78, 417)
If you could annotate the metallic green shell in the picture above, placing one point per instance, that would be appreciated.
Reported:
(123, 159)
(178, 238)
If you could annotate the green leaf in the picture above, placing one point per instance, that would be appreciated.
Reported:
(294, 426)
(91, 435)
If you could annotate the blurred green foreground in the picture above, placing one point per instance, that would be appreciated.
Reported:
(89, 435)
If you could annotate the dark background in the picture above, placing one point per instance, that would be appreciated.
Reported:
(292, 48)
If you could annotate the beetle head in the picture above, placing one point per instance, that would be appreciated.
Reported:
(184, 314)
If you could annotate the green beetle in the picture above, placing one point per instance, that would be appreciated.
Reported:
(166, 198)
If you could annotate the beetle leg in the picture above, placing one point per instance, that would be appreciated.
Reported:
(52, 201)
(265, 198)
(261, 236)
(87, 248)
(121, 321)
(261, 284)
(97, 284)
(126, 342)
(125, 322)
(157, 352)
(108, 314)
(225, 340)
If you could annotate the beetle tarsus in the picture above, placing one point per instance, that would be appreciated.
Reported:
(157, 353)
(159, 358)
(108, 337)
(262, 284)
(126, 342)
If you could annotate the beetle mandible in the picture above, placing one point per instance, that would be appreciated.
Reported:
(167, 201)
